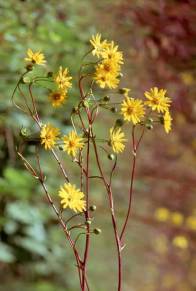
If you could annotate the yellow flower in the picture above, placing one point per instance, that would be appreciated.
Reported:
(72, 197)
(180, 241)
(117, 139)
(57, 98)
(35, 57)
(177, 218)
(106, 80)
(106, 74)
(167, 121)
(62, 79)
(98, 45)
(49, 134)
(111, 53)
(191, 222)
(157, 99)
(162, 214)
(72, 143)
(132, 110)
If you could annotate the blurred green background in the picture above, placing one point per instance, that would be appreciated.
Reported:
(158, 41)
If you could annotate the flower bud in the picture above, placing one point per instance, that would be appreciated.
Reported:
(149, 126)
(123, 90)
(92, 208)
(111, 157)
(88, 222)
(60, 148)
(29, 67)
(74, 110)
(24, 132)
(119, 122)
(114, 109)
(97, 230)
(120, 75)
(106, 98)
(50, 74)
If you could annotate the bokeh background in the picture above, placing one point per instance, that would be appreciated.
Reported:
(158, 41)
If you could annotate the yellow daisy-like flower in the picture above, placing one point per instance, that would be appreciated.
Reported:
(35, 57)
(177, 218)
(111, 53)
(157, 99)
(72, 143)
(57, 98)
(98, 45)
(162, 214)
(72, 197)
(62, 79)
(117, 140)
(49, 135)
(132, 110)
(106, 74)
(167, 121)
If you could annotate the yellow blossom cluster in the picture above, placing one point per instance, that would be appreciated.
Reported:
(63, 84)
(71, 143)
(108, 69)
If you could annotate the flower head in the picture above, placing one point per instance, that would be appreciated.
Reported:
(167, 121)
(117, 140)
(157, 99)
(57, 98)
(72, 143)
(49, 134)
(132, 110)
(35, 57)
(106, 74)
(180, 241)
(112, 53)
(62, 79)
(98, 45)
(72, 197)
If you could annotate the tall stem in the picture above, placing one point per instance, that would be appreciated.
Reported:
(111, 203)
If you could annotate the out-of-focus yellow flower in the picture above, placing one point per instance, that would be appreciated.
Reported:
(191, 222)
(157, 99)
(117, 140)
(180, 241)
(187, 78)
(162, 214)
(57, 98)
(49, 135)
(35, 57)
(167, 119)
(72, 197)
(176, 218)
(62, 79)
(98, 45)
(132, 110)
(72, 143)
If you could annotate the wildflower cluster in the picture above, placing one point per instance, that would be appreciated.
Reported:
(79, 142)
(108, 69)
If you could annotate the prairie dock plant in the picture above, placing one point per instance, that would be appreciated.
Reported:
(81, 142)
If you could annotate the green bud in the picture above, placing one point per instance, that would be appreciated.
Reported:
(97, 230)
(50, 74)
(25, 80)
(88, 222)
(119, 122)
(24, 132)
(149, 126)
(29, 67)
(106, 98)
(114, 109)
(123, 90)
(120, 75)
(150, 120)
(111, 157)
(60, 148)
(92, 208)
